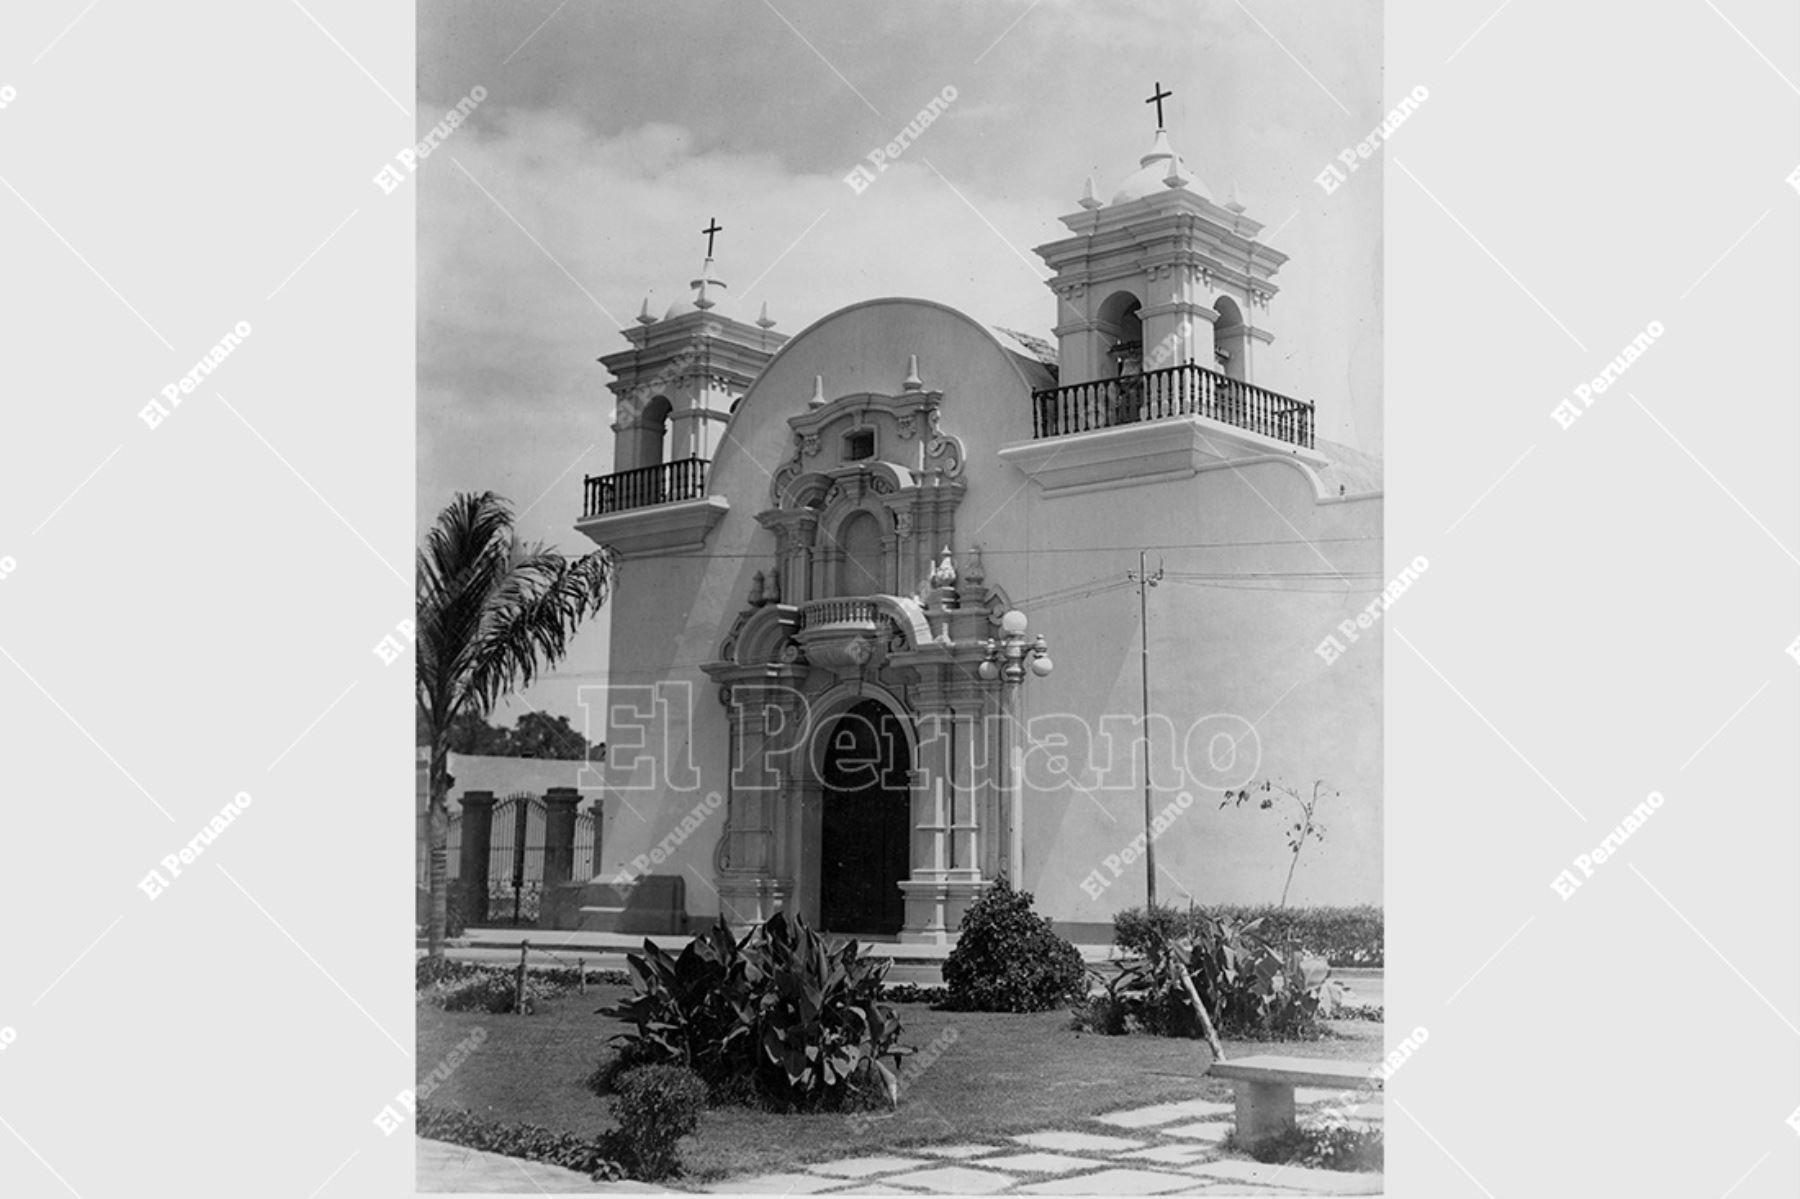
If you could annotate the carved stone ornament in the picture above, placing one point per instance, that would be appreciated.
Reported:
(942, 445)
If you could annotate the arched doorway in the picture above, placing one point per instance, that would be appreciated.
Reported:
(865, 834)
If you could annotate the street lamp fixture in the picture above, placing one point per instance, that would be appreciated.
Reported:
(1008, 654)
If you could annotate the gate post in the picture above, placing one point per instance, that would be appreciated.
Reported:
(559, 848)
(477, 837)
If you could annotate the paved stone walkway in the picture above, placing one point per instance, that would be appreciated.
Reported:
(1164, 1149)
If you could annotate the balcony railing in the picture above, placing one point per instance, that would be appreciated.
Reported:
(664, 483)
(847, 611)
(1189, 390)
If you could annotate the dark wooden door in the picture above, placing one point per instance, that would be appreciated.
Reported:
(867, 824)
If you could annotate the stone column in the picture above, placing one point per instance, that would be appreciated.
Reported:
(1178, 322)
(967, 791)
(946, 867)
(559, 834)
(477, 839)
(559, 851)
(1076, 338)
(764, 848)
(932, 792)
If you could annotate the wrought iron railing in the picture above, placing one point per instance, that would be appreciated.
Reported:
(1189, 390)
(665, 483)
(515, 865)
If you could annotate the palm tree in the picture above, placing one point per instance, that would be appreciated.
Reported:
(493, 613)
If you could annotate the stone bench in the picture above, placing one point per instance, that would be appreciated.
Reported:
(1265, 1088)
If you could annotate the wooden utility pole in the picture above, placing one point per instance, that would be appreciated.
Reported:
(1145, 581)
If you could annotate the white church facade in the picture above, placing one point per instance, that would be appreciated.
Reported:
(875, 637)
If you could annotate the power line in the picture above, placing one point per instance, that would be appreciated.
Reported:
(716, 556)
(1253, 585)
(1041, 605)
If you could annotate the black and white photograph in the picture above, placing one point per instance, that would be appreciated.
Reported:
(1028, 597)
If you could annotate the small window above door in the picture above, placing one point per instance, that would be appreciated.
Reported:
(859, 445)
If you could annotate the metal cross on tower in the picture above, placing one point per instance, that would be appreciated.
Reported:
(1157, 100)
(712, 227)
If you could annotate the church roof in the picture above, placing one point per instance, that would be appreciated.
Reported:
(1044, 351)
(1153, 173)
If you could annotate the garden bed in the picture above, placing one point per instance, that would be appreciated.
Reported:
(1001, 1075)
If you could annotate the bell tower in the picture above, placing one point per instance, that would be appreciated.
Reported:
(685, 370)
(1161, 275)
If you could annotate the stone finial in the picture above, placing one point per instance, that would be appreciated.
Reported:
(1231, 198)
(940, 583)
(756, 590)
(818, 395)
(1173, 178)
(945, 574)
(644, 316)
(765, 321)
(1089, 198)
(772, 592)
(912, 382)
(973, 572)
(701, 299)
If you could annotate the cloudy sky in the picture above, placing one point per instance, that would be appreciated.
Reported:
(613, 130)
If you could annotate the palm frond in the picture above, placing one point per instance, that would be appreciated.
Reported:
(493, 614)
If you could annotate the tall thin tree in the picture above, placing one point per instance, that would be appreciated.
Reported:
(493, 613)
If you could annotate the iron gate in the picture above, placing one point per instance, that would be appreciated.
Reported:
(516, 855)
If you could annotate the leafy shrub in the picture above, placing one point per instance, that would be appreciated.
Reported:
(429, 971)
(914, 993)
(655, 1106)
(782, 1014)
(529, 1141)
(1251, 989)
(1010, 959)
(822, 1027)
(1329, 1145)
(567, 977)
(1347, 936)
(494, 991)
(693, 1010)
(628, 1055)
(1105, 1011)
(435, 970)
(1139, 998)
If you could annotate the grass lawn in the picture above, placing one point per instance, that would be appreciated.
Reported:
(1003, 1074)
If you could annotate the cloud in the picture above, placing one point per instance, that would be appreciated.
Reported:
(582, 184)
(512, 315)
